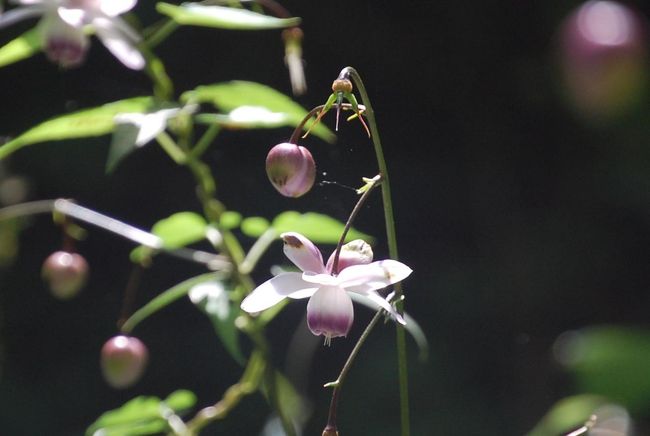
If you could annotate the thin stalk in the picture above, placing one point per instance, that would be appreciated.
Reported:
(204, 142)
(391, 235)
(348, 225)
(161, 33)
(338, 383)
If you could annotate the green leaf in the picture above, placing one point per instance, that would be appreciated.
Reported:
(213, 299)
(290, 402)
(26, 45)
(610, 361)
(180, 229)
(122, 144)
(260, 103)
(567, 414)
(81, 124)
(222, 17)
(165, 299)
(317, 227)
(230, 220)
(254, 226)
(141, 415)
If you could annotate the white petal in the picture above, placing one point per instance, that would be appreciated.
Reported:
(330, 312)
(384, 304)
(320, 279)
(374, 276)
(150, 125)
(303, 253)
(118, 44)
(73, 16)
(275, 290)
(113, 8)
(13, 16)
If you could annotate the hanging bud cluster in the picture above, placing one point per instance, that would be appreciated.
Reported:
(291, 169)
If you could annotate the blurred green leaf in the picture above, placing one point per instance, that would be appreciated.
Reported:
(141, 415)
(180, 229)
(317, 227)
(213, 299)
(164, 299)
(230, 220)
(255, 226)
(290, 402)
(122, 144)
(610, 361)
(81, 124)
(567, 414)
(26, 45)
(258, 101)
(196, 14)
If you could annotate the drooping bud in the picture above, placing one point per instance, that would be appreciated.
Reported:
(63, 43)
(330, 312)
(356, 252)
(603, 58)
(65, 273)
(291, 169)
(123, 360)
(330, 431)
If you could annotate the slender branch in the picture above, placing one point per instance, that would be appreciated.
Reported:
(375, 181)
(337, 385)
(257, 250)
(391, 236)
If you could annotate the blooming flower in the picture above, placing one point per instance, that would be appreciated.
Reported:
(329, 310)
(62, 28)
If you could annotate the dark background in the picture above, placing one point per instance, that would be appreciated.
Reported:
(521, 219)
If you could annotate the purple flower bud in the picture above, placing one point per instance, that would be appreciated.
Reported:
(63, 44)
(603, 56)
(65, 273)
(123, 360)
(356, 252)
(291, 169)
(330, 312)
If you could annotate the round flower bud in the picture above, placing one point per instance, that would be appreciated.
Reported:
(330, 312)
(123, 360)
(65, 273)
(291, 169)
(603, 58)
(342, 85)
(356, 252)
(329, 431)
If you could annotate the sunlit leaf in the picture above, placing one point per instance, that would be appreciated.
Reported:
(26, 45)
(230, 220)
(141, 415)
(317, 227)
(609, 361)
(260, 103)
(213, 299)
(165, 299)
(196, 14)
(254, 226)
(180, 229)
(567, 414)
(96, 121)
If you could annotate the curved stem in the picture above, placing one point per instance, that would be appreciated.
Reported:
(331, 419)
(391, 236)
(348, 225)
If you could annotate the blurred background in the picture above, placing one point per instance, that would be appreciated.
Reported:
(518, 139)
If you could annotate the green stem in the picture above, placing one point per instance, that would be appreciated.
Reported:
(205, 141)
(331, 419)
(391, 236)
(160, 33)
(257, 250)
(173, 150)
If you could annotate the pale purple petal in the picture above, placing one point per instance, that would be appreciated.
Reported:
(121, 47)
(63, 44)
(374, 276)
(320, 279)
(113, 8)
(330, 312)
(303, 253)
(384, 304)
(13, 16)
(356, 252)
(123, 27)
(275, 290)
